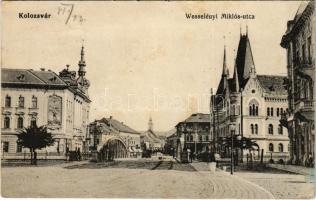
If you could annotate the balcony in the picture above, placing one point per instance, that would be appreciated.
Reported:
(19, 109)
(33, 110)
(7, 110)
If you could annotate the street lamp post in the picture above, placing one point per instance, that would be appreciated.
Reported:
(232, 133)
(238, 137)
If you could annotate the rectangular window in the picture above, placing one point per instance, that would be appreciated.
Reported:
(303, 53)
(18, 148)
(309, 43)
(5, 147)
(21, 102)
(268, 111)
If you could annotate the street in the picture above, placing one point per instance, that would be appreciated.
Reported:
(144, 178)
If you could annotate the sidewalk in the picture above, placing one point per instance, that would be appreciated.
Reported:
(294, 168)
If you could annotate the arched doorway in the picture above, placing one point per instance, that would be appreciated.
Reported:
(112, 148)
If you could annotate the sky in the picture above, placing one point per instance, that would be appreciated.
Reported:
(145, 59)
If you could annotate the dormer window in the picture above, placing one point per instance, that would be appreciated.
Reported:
(21, 77)
(53, 79)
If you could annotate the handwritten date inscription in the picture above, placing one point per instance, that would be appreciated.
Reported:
(68, 11)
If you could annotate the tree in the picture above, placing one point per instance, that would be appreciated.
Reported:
(35, 138)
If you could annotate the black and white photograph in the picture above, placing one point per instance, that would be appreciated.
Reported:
(158, 99)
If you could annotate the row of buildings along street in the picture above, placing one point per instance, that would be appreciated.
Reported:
(277, 112)
(254, 140)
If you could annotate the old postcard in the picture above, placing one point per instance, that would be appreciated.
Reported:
(158, 99)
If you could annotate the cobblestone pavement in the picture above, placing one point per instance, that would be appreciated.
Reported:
(282, 186)
(116, 182)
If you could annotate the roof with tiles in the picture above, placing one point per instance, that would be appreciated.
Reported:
(198, 117)
(273, 84)
(30, 77)
(117, 125)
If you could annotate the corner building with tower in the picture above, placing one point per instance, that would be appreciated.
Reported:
(251, 106)
(42, 97)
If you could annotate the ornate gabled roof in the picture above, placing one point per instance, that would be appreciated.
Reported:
(273, 84)
(244, 60)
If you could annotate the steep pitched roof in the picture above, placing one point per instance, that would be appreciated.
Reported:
(273, 84)
(120, 126)
(150, 136)
(244, 60)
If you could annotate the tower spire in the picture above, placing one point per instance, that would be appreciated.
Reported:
(82, 63)
(235, 79)
(224, 73)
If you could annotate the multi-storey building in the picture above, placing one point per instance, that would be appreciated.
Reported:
(60, 102)
(299, 41)
(194, 134)
(113, 139)
(250, 105)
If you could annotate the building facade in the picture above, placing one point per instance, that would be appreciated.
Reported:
(150, 140)
(251, 106)
(299, 41)
(60, 102)
(113, 139)
(193, 134)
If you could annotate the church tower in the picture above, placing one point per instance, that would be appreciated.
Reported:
(223, 85)
(244, 60)
(150, 124)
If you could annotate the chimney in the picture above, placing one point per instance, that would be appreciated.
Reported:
(42, 69)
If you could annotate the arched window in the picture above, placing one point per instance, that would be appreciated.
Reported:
(271, 112)
(278, 112)
(21, 102)
(191, 138)
(206, 138)
(281, 111)
(252, 129)
(280, 129)
(6, 122)
(34, 102)
(268, 111)
(270, 129)
(271, 147)
(200, 138)
(253, 108)
(7, 101)
(256, 129)
(33, 122)
(280, 147)
(20, 122)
